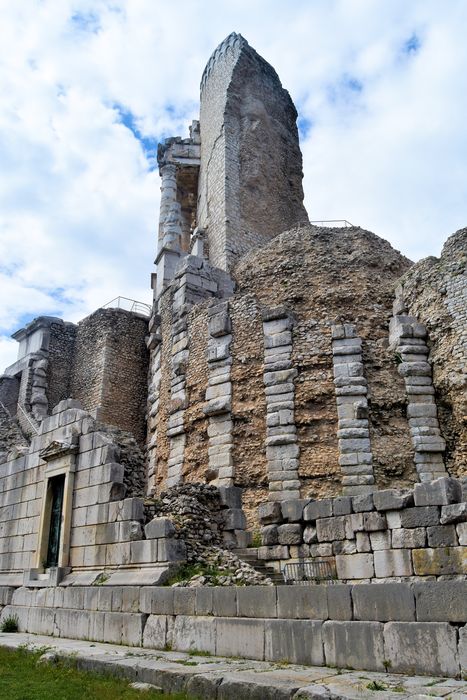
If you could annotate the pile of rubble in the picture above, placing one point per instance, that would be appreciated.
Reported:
(198, 513)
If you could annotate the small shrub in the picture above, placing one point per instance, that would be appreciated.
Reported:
(376, 685)
(256, 540)
(10, 624)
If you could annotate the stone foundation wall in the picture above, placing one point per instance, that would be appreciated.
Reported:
(60, 358)
(389, 534)
(417, 629)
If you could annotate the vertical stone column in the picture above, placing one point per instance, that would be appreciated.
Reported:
(176, 428)
(219, 395)
(407, 338)
(168, 174)
(154, 345)
(355, 457)
(282, 449)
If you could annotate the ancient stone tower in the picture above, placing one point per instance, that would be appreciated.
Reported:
(238, 178)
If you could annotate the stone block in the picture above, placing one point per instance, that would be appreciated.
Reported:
(194, 633)
(380, 540)
(456, 513)
(274, 552)
(155, 632)
(442, 536)
(292, 511)
(290, 534)
(302, 602)
(421, 516)
(461, 529)
(144, 552)
(354, 566)
(203, 603)
(442, 561)
(330, 529)
(373, 522)
(240, 637)
(392, 499)
(390, 562)
(440, 492)
(441, 601)
(309, 535)
(297, 641)
(403, 538)
(159, 527)
(170, 550)
(363, 542)
(157, 600)
(339, 601)
(362, 503)
(344, 547)
(269, 512)
(354, 645)
(429, 648)
(383, 602)
(318, 509)
(231, 496)
(184, 601)
(256, 601)
(342, 505)
(269, 535)
(224, 602)
(234, 519)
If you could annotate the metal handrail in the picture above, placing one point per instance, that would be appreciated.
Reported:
(29, 419)
(307, 572)
(137, 307)
(344, 222)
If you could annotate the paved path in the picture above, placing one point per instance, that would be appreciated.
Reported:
(210, 677)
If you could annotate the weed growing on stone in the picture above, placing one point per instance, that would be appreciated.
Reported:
(376, 685)
(10, 624)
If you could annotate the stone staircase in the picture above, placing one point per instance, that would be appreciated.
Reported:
(250, 556)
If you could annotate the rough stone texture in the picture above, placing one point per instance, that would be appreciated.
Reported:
(391, 602)
(251, 167)
(354, 644)
(434, 291)
(109, 372)
(328, 274)
(431, 645)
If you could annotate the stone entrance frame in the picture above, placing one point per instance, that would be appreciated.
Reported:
(60, 459)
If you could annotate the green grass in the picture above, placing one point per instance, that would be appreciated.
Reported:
(22, 678)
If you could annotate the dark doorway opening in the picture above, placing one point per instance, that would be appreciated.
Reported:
(56, 486)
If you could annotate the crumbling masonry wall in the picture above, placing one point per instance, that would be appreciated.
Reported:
(110, 365)
(435, 292)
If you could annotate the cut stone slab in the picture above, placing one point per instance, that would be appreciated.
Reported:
(299, 641)
(441, 601)
(383, 602)
(429, 645)
(440, 492)
(354, 644)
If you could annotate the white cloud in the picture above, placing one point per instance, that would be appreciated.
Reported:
(78, 195)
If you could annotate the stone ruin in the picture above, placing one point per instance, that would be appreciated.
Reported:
(294, 387)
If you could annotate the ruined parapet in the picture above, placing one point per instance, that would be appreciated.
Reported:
(250, 186)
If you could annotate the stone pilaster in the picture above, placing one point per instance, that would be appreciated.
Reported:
(282, 449)
(355, 457)
(176, 428)
(219, 395)
(154, 345)
(407, 337)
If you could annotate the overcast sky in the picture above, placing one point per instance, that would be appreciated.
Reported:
(89, 86)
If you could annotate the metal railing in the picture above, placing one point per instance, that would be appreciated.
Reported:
(137, 307)
(307, 572)
(337, 223)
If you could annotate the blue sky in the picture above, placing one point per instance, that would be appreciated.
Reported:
(90, 86)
